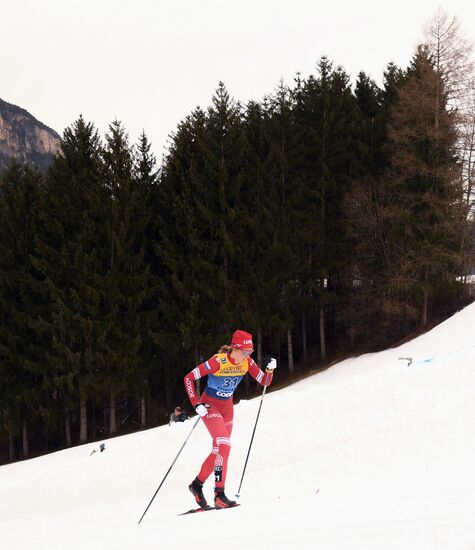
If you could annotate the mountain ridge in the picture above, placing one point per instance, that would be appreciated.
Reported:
(24, 137)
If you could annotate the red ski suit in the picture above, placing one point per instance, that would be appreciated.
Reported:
(223, 377)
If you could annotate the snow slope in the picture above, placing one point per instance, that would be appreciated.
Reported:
(370, 454)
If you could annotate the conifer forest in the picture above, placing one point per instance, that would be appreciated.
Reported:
(328, 219)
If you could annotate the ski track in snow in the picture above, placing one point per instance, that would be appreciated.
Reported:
(369, 454)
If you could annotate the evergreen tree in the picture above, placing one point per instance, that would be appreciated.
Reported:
(187, 249)
(127, 273)
(199, 195)
(258, 229)
(22, 341)
(369, 163)
(369, 126)
(325, 112)
(146, 178)
(282, 174)
(71, 258)
(224, 158)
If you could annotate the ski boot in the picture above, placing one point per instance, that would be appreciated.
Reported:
(222, 501)
(196, 489)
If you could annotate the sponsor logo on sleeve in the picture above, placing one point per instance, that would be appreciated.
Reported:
(189, 388)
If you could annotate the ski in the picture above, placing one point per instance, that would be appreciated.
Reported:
(207, 509)
(197, 510)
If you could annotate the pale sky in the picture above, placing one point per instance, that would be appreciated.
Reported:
(149, 63)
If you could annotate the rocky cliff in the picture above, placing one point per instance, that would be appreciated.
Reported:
(25, 138)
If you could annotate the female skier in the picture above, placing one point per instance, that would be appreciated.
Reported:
(225, 370)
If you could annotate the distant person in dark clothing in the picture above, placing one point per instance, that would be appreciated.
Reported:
(178, 416)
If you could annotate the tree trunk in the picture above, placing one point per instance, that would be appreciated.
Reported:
(25, 442)
(259, 347)
(198, 361)
(168, 392)
(113, 421)
(304, 338)
(425, 303)
(143, 418)
(323, 343)
(46, 436)
(290, 352)
(94, 420)
(11, 446)
(352, 336)
(82, 421)
(278, 355)
(104, 416)
(352, 329)
(67, 427)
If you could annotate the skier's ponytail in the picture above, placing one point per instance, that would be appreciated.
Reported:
(225, 349)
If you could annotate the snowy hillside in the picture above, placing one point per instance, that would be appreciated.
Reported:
(371, 454)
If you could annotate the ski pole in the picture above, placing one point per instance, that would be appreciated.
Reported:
(238, 494)
(169, 469)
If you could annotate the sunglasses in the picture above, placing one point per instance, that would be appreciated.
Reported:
(246, 353)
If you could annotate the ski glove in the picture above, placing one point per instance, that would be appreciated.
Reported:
(272, 365)
(201, 409)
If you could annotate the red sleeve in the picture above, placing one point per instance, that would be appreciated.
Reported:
(208, 367)
(264, 378)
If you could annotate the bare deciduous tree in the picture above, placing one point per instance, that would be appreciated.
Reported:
(451, 52)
